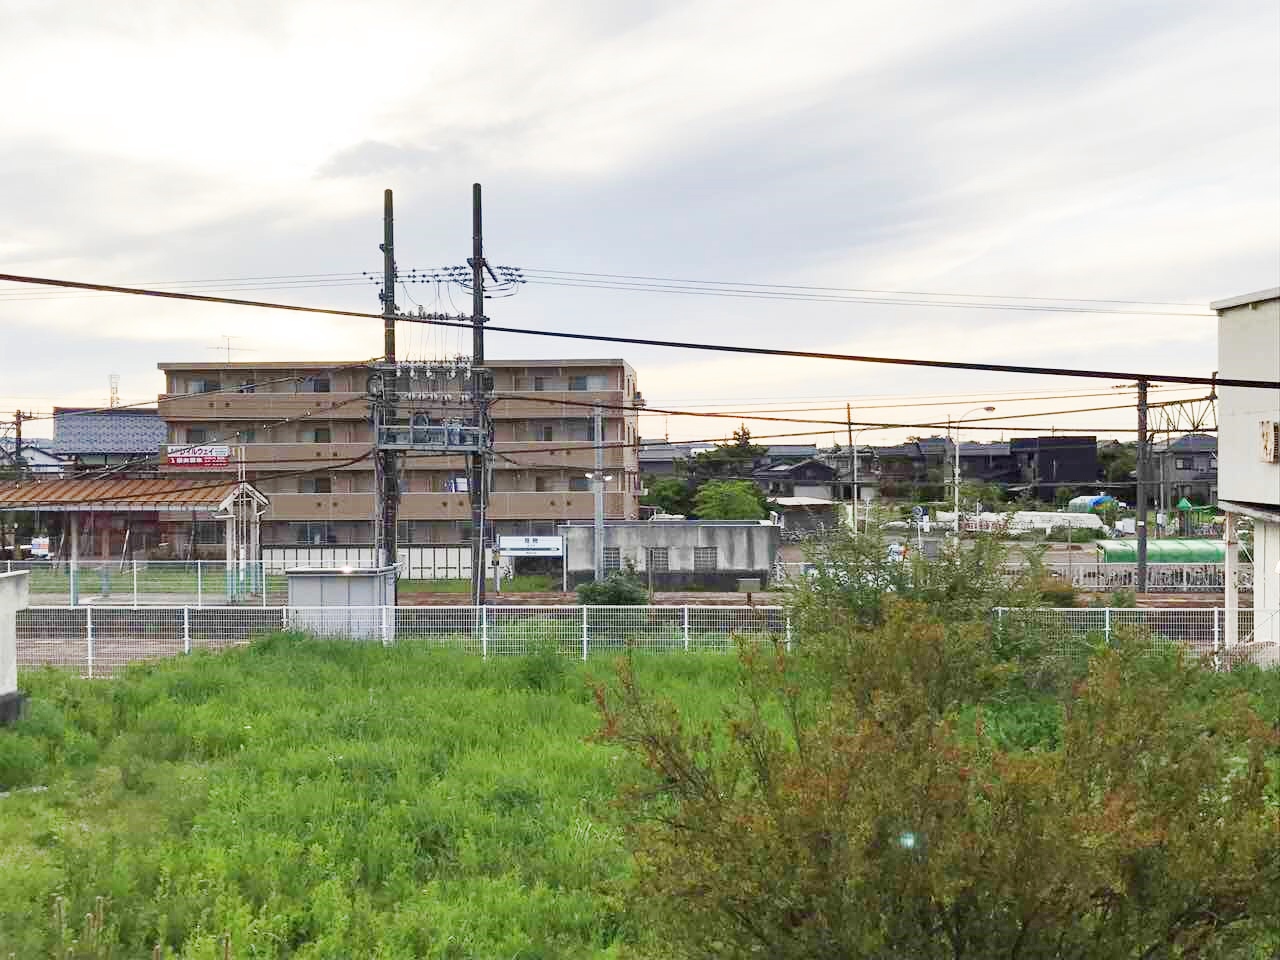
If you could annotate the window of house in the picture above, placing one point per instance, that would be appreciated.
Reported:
(320, 385)
(197, 434)
(612, 559)
(658, 559)
(321, 435)
(247, 436)
(539, 384)
(316, 485)
(209, 531)
(579, 483)
(314, 532)
(547, 432)
(1182, 463)
(205, 386)
(705, 559)
(541, 484)
(577, 383)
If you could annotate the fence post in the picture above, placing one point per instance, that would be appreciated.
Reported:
(585, 608)
(1217, 634)
(199, 586)
(186, 629)
(88, 629)
(135, 583)
(1106, 625)
(787, 619)
(284, 619)
(484, 633)
(386, 627)
(686, 629)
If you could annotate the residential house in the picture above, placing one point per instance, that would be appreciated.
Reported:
(37, 460)
(1186, 467)
(807, 478)
(1249, 448)
(1048, 463)
(89, 437)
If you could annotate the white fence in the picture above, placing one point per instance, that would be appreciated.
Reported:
(1202, 630)
(98, 641)
(1109, 577)
(151, 582)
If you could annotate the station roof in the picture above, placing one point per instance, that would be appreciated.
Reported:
(122, 495)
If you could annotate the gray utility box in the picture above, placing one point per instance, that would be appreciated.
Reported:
(342, 601)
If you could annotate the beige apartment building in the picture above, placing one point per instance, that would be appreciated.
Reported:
(303, 433)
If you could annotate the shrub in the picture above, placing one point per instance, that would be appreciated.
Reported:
(621, 588)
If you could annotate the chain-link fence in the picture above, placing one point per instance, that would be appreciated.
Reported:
(97, 641)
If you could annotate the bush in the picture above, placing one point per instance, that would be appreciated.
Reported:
(21, 760)
(620, 588)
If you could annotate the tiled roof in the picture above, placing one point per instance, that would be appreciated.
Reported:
(104, 494)
(78, 431)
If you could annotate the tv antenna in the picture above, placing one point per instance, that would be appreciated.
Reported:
(227, 338)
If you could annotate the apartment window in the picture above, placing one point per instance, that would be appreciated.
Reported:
(320, 385)
(579, 484)
(197, 434)
(247, 436)
(314, 532)
(316, 485)
(539, 384)
(247, 386)
(547, 432)
(577, 383)
(590, 382)
(658, 560)
(321, 435)
(612, 559)
(541, 484)
(205, 386)
(705, 560)
(1182, 463)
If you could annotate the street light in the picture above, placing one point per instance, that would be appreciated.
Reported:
(853, 443)
(956, 443)
(598, 480)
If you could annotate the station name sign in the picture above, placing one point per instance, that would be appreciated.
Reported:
(531, 546)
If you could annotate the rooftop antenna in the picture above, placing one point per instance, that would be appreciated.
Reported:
(227, 338)
(114, 380)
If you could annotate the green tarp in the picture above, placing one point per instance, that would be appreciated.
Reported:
(1163, 551)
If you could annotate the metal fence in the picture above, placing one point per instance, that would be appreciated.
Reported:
(99, 641)
(167, 583)
(1203, 631)
(1110, 577)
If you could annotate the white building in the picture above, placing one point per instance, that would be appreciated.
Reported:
(1249, 445)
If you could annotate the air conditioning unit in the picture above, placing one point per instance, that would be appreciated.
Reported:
(1269, 435)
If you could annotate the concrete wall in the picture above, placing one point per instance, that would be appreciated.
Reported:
(741, 548)
(1248, 348)
(1266, 581)
(14, 593)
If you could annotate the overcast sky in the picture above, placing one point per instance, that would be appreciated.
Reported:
(1078, 149)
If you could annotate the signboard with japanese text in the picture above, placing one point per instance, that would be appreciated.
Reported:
(531, 546)
(210, 456)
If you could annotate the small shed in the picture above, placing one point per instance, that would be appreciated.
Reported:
(348, 602)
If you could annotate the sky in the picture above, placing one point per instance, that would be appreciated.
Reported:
(1086, 150)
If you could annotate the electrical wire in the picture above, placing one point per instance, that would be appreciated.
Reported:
(674, 344)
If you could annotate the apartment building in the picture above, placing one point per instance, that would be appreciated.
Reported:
(303, 433)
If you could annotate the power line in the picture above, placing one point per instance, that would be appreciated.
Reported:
(450, 321)
(869, 290)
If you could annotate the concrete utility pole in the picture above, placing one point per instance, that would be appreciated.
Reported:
(1140, 522)
(853, 466)
(389, 488)
(597, 486)
(477, 485)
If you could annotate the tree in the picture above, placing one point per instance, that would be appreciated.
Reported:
(729, 500)
(1118, 461)
(669, 495)
(856, 803)
(728, 460)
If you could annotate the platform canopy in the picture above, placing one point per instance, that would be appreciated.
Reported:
(114, 495)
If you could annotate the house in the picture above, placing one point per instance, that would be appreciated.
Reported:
(807, 478)
(37, 460)
(89, 437)
(1047, 463)
(1249, 450)
(1186, 467)
(658, 457)
(989, 463)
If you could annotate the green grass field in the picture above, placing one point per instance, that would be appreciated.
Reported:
(322, 800)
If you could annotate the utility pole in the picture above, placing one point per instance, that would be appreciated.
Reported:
(1140, 523)
(388, 460)
(597, 486)
(476, 488)
(853, 467)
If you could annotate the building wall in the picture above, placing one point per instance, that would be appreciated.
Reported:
(742, 549)
(301, 417)
(1248, 348)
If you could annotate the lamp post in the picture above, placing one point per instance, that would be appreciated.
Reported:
(956, 450)
(598, 481)
(853, 443)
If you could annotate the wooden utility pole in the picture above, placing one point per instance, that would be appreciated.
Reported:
(1140, 522)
